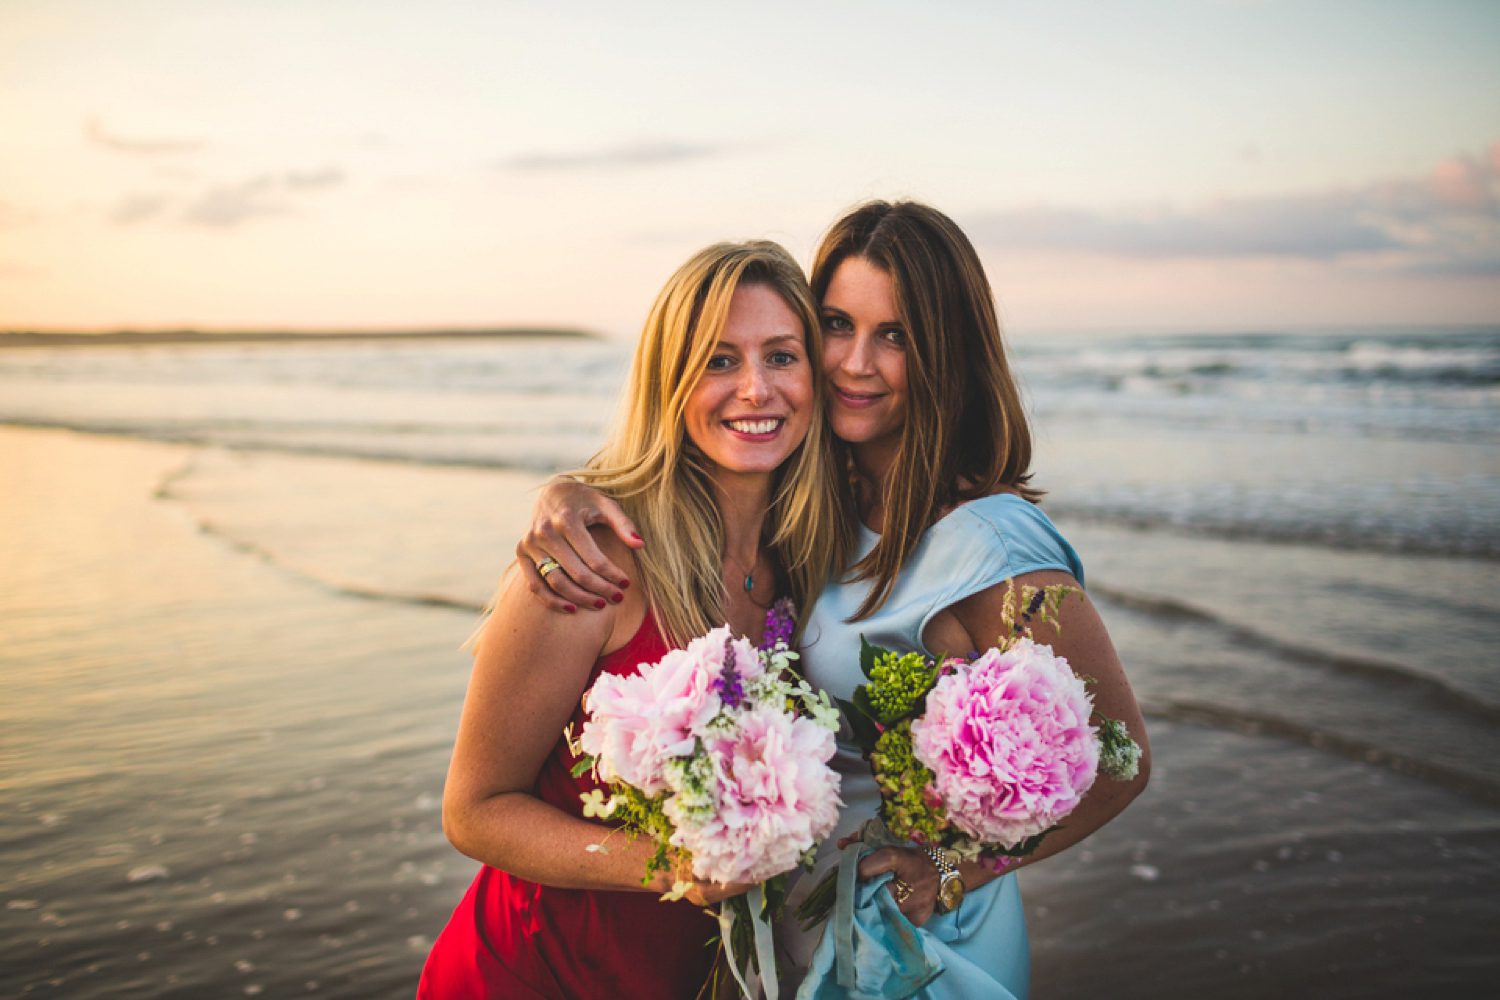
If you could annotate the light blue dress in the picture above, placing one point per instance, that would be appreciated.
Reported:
(982, 945)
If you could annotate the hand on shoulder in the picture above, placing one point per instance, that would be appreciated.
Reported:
(562, 518)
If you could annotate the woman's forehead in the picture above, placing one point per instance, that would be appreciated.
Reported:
(859, 284)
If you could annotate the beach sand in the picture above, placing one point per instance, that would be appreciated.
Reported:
(231, 682)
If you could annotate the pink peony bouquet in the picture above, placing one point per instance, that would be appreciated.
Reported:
(1007, 740)
(718, 752)
(980, 756)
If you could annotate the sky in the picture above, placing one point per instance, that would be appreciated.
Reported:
(386, 164)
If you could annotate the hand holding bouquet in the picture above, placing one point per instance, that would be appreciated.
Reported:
(719, 753)
(980, 757)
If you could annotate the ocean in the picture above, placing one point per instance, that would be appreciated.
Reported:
(235, 581)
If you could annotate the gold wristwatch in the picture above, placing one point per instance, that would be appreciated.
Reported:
(951, 889)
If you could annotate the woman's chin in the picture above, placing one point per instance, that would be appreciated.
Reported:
(748, 462)
(857, 430)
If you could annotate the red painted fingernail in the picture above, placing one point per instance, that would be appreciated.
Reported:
(570, 609)
(624, 584)
(599, 605)
(618, 597)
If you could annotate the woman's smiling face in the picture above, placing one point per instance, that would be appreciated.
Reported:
(864, 355)
(754, 404)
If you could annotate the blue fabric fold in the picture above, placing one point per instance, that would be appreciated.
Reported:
(872, 951)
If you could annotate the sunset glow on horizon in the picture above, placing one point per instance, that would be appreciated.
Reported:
(339, 164)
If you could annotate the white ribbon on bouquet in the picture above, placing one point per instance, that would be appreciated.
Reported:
(765, 953)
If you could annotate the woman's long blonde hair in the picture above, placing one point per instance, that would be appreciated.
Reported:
(651, 467)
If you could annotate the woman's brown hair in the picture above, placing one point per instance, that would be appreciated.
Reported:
(966, 432)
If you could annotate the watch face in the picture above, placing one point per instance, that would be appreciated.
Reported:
(951, 893)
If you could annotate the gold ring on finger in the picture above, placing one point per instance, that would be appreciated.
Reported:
(547, 565)
(900, 890)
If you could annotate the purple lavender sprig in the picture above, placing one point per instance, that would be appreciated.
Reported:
(781, 622)
(730, 685)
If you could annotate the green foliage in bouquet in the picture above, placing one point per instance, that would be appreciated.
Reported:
(1027, 606)
(743, 932)
(1119, 755)
(902, 779)
(899, 683)
(635, 813)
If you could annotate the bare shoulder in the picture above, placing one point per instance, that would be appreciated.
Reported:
(986, 613)
(618, 552)
(531, 666)
(520, 626)
(630, 610)
(976, 622)
(608, 624)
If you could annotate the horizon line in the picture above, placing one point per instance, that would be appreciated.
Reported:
(190, 335)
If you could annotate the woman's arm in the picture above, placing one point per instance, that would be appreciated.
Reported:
(530, 669)
(587, 578)
(976, 623)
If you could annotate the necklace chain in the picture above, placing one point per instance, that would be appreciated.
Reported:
(750, 576)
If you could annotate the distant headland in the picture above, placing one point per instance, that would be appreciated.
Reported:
(126, 338)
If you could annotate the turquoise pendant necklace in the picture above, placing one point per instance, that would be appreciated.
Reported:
(750, 576)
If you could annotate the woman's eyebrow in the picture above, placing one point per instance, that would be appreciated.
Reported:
(835, 310)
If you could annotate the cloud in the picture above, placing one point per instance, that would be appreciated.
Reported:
(1296, 227)
(224, 207)
(642, 154)
(137, 208)
(311, 180)
(95, 132)
(1447, 222)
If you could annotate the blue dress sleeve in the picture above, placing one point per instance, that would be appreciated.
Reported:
(981, 544)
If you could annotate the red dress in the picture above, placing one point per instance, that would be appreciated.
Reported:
(513, 938)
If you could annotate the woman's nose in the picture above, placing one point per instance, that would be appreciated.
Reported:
(754, 386)
(857, 359)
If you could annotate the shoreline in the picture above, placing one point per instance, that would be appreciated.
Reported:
(130, 338)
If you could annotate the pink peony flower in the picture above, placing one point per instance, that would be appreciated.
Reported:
(741, 778)
(1008, 740)
(777, 798)
(637, 723)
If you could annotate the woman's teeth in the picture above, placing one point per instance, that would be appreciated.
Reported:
(754, 426)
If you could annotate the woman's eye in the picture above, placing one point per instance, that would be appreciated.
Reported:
(783, 358)
(720, 362)
(836, 324)
(897, 337)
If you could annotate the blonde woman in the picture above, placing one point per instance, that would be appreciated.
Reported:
(937, 450)
(722, 458)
